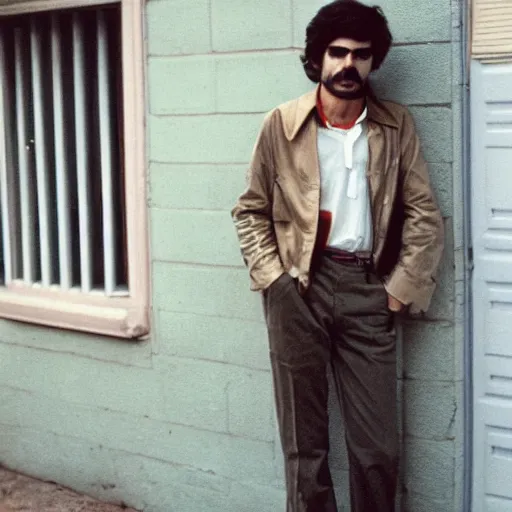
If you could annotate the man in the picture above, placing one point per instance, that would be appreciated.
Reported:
(340, 229)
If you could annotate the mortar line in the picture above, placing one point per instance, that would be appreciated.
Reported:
(284, 49)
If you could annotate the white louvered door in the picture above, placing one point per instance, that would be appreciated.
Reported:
(491, 174)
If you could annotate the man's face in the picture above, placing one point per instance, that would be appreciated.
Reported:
(346, 66)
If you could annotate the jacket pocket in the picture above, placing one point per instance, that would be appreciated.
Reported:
(283, 223)
(280, 210)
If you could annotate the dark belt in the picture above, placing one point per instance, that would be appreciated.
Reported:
(361, 259)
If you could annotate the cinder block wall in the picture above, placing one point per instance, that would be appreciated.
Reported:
(184, 422)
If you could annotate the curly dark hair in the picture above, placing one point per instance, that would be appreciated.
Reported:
(350, 19)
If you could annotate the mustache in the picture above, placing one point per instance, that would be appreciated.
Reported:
(348, 74)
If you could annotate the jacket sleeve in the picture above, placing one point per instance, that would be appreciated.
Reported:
(412, 281)
(252, 215)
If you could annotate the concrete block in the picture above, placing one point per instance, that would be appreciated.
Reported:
(442, 306)
(216, 396)
(121, 477)
(195, 236)
(341, 482)
(181, 85)
(171, 496)
(249, 25)
(338, 458)
(429, 468)
(434, 125)
(416, 75)
(430, 409)
(225, 455)
(251, 498)
(441, 177)
(80, 381)
(459, 335)
(251, 405)
(12, 414)
(279, 481)
(459, 455)
(259, 82)
(203, 139)
(226, 340)
(410, 21)
(80, 465)
(458, 193)
(175, 497)
(211, 291)
(457, 23)
(194, 392)
(246, 497)
(222, 454)
(417, 502)
(76, 344)
(459, 151)
(149, 481)
(177, 27)
(428, 350)
(200, 186)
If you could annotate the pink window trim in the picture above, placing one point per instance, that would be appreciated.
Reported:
(124, 317)
(30, 6)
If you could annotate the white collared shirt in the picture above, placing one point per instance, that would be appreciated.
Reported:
(344, 194)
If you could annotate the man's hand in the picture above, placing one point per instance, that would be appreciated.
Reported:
(394, 304)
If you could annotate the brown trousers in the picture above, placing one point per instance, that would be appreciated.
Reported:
(343, 320)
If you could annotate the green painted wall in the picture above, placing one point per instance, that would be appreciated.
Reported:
(184, 422)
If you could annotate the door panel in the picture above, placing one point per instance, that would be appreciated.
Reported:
(491, 203)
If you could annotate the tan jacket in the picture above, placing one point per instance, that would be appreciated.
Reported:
(277, 216)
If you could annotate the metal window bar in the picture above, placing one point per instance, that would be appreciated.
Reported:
(61, 159)
(25, 157)
(8, 200)
(105, 129)
(66, 141)
(82, 154)
(41, 151)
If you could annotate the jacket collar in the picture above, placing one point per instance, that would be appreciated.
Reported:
(296, 112)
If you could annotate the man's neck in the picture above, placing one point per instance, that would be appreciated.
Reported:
(340, 111)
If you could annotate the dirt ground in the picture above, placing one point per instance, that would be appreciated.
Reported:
(19, 493)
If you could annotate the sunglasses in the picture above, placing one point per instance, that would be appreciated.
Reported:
(340, 52)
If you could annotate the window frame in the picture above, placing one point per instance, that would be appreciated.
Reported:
(122, 317)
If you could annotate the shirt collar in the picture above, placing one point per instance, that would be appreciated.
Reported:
(325, 122)
(296, 113)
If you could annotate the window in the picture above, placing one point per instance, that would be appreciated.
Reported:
(73, 235)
